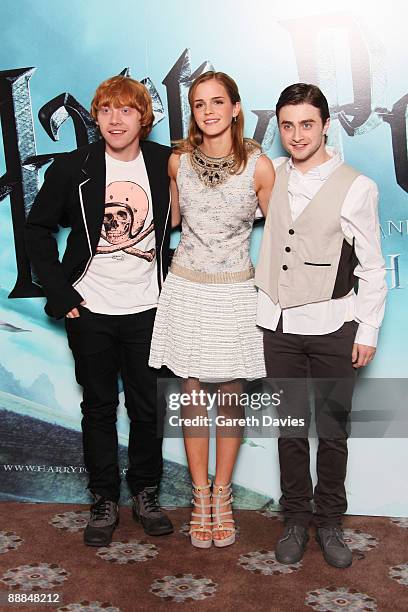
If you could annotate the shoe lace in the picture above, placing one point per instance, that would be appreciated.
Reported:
(101, 509)
(335, 535)
(293, 531)
(150, 500)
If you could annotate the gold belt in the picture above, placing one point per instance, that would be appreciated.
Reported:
(207, 277)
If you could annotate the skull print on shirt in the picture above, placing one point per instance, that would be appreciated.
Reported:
(126, 209)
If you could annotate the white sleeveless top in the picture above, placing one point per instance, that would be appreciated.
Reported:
(216, 225)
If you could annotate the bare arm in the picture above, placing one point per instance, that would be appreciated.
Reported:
(264, 181)
(174, 162)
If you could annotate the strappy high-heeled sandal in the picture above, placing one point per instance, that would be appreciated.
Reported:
(200, 496)
(222, 496)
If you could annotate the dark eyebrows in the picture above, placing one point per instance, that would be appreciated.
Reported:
(286, 122)
(215, 98)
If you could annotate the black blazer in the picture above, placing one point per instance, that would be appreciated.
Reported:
(73, 195)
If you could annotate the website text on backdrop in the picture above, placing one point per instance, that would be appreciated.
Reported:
(321, 235)
(205, 329)
(114, 195)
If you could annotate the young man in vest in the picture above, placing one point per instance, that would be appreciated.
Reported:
(114, 195)
(322, 232)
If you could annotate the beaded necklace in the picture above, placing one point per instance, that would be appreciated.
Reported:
(212, 171)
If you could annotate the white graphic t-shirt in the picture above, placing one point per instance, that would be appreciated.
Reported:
(122, 277)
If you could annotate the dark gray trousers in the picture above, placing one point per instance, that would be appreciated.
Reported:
(308, 360)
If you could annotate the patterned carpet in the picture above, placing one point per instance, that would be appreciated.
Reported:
(41, 552)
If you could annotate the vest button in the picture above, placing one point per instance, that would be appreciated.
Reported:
(284, 267)
(287, 249)
(291, 232)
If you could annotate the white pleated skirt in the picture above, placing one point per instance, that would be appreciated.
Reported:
(208, 331)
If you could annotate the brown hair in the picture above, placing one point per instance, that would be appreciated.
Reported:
(123, 91)
(240, 146)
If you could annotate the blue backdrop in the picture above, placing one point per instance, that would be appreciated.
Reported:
(53, 56)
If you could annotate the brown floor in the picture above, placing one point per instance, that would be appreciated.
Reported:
(242, 577)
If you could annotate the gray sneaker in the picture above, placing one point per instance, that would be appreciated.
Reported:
(292, 544)
(102, 522)
(335, 550)
(147, 511)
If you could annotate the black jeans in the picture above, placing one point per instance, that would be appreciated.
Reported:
(103, 346)
(295, 356)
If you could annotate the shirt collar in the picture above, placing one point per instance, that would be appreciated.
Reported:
(324, 170)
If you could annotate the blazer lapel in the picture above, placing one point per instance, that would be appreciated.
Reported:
(92, 192)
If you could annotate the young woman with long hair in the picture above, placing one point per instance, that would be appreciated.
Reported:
(205, 329)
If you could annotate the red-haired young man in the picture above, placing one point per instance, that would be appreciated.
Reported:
(114, 195)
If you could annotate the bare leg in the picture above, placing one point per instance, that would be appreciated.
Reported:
(229, 440)
(196, 443)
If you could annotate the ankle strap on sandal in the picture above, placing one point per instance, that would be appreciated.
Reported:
(222, 487)
(200, 488)
(222, 492)
(199, 495)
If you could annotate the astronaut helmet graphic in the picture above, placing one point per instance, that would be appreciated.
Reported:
(126, 209)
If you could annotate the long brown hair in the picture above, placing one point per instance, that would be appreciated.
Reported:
(241, 146)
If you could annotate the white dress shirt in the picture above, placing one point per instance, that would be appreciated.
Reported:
(359, 220)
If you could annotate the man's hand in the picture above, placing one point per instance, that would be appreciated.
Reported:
(74, 313)
(362, 355)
